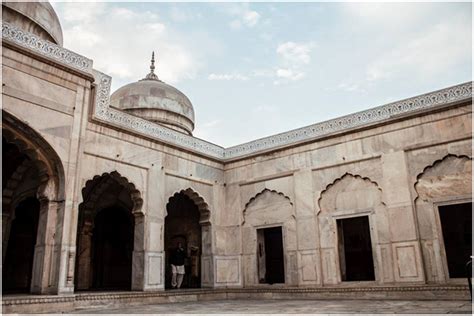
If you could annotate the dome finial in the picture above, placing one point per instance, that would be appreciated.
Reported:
(152, 66)
(152, 75)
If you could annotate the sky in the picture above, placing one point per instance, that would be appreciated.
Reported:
(256, 69)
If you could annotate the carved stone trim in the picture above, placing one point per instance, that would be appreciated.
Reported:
(453, 94)
(103, 112)
(121, 119)
(45, 48)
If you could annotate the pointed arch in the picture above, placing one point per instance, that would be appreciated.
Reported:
(264, 191)
(50, 191)
(434, 165)
(96, 186)
(188, 220)
(261, 193)
(198, 200)
(345, 176)
(40, 152)
(107, 198)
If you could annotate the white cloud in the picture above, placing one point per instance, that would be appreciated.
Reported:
(294, 58)
(243, 16)
(250, 18)
(289, 74)
(431, 53)
(387, 16)
(265, 73)
(80, 12)
(120, 41)
(295, 52)
(227, 77)
(181, 14)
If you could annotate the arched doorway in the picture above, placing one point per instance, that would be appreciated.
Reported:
(18, 268)
(32, 190)
(112, 244)
(105, 236)
(187, 221)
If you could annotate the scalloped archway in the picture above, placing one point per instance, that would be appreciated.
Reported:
(443, 205)
(110, 227)
(268, 212)
(35, 171)
(352, 201)
(188, 221)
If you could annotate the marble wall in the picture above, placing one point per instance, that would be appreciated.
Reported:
(395, 173)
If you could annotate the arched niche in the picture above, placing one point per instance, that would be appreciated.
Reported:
(32, 170)
(353, 204)
(188, 220)
(444, 194)
(110, 235)
(269, 234)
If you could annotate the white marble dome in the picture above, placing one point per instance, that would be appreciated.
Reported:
(38, 18)
(153, 100)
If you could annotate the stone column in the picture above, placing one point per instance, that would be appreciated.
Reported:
(84, 254)
(44, 278)
(150, 254)
(207, 265)
(405, 248)
(309, 270)
(138, 261)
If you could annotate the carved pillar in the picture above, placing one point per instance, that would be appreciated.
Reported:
(405, 242)
(207, 260)
(138, 261)
(44, 279)
(84, 254)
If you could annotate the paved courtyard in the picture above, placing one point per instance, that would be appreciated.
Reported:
(295, 306)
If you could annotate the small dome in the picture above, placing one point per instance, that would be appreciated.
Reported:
(156, 101)
(38, 18)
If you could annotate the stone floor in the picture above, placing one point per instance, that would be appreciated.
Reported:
(295, 306)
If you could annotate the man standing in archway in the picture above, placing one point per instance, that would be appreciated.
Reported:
(177, 266)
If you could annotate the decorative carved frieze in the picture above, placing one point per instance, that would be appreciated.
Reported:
(45, 48)
(103, 112)
(359, 119)
(121, 119)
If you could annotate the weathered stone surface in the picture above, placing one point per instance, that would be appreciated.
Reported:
(396, 173)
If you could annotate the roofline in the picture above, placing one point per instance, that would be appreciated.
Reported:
(105, 114)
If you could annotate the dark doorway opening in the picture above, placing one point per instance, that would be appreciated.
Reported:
(112, 242)
(456, 225)
(271, 267)
(18, 267)
(182, 225)
(355, 249)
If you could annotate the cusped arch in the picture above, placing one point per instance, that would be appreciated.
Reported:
(261, 193)
(96, 186)
(198, 200)
(346, 176)
(255, 197)
(41, 154)
(435, 165)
